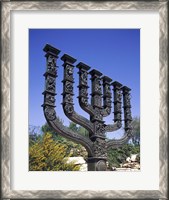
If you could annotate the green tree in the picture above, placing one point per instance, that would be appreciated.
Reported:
(119, 155)
(73, 126)
(83, 131)
(34, 138)
(50, 155)
(48, 129)
(78, 129)
(77, 149)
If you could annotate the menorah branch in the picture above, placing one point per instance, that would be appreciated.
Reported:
(49, 101)
(107, 102)
(127, 114)
(67, 133)
(96, 95)
(68, 105)
(112, 127)
(127, 110)
(117, 104)
(83, 88)
(116, 143)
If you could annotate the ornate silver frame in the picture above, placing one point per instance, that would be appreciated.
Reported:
(6, 7)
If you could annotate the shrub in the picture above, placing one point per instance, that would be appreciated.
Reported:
(49, 155)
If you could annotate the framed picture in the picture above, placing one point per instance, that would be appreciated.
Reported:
(129, 42)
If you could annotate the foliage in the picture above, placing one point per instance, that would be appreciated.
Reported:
(73, 148)
(34, 134)
(49, 151)
(34, 138)
(83, 131)
(78, 129)
(73, 126)
(49, 155)
(48, 129)
(119, 155)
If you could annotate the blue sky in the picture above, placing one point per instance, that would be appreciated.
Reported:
(114, 52)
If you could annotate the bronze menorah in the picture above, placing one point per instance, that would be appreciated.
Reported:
(96, 143)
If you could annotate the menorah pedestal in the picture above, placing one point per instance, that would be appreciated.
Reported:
(97, 164)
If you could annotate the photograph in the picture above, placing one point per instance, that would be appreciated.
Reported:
(84, 100)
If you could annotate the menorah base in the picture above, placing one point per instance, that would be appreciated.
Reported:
(97, 164)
